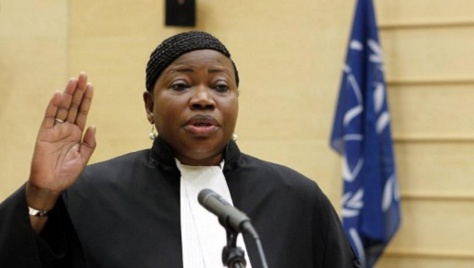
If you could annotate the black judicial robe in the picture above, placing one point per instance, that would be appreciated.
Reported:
(125, 212)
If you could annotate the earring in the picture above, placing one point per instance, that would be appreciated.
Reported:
(234, 137)
(152, 134)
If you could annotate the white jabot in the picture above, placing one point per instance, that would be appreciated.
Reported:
(202, 236)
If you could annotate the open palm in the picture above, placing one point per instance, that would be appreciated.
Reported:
(62, 147)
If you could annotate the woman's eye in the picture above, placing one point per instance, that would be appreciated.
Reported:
(179, 86)
(221, 88)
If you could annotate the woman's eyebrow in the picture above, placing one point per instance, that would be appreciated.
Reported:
(217, 70)
(182, 70)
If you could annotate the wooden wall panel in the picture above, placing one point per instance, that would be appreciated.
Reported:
(428, 54)
(429, 66)
(409, 11)
(435, 168)
(436, 227)
(432, 111)
(434, 233)
(403, 261)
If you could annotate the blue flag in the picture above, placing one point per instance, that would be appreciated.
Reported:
(362, 135)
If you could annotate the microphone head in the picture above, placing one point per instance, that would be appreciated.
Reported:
(203, 194)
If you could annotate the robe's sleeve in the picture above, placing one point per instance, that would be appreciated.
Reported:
(337, 250)
(20, 246)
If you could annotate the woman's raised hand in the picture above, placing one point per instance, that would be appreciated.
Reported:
(63, 147)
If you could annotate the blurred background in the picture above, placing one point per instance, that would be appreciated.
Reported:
(290, 56)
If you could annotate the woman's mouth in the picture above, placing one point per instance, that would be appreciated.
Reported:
(202, 125)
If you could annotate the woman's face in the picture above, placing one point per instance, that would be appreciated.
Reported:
(195, 106)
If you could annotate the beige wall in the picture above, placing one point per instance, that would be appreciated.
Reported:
(33, 63)
(430, 63)
(289, 55)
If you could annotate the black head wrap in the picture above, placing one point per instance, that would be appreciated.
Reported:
(177, 45)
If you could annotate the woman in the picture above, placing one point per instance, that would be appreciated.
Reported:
(140, 209)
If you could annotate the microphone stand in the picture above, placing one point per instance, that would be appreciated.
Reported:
(233, 256)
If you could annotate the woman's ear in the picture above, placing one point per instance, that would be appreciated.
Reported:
(149, 104)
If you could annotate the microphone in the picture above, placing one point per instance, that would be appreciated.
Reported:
(229, 216)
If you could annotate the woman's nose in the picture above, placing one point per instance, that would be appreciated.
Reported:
(202, 99)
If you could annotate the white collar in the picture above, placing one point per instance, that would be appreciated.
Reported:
(202, 236)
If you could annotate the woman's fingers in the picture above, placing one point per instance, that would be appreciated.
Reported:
(84, 106)
(66, 98)
(89, 144)
(70, 106)
(51, 110)
(71, 99)
(77, 99)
